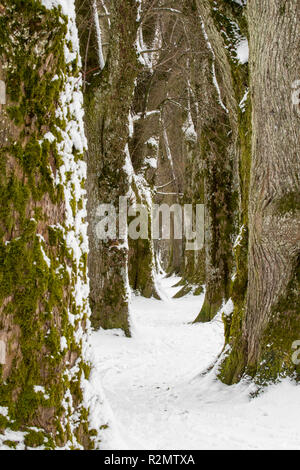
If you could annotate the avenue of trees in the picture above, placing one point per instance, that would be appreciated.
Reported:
(173, 113)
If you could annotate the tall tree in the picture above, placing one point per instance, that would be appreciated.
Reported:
(221, 89)
(265, 321)
(43, 234)
(108, 100)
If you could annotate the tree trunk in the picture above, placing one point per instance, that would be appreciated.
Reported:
(43, 248)
(220, 86)
(108, 101)
(261, 334)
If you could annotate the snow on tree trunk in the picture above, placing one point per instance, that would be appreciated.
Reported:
(219, 151)
(43, 249)
(108, 101)
(265, 321)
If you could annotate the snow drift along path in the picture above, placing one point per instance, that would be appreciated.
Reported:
(158, 399)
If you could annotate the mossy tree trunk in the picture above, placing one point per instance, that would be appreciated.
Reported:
(265, 321)
(43, 243)
(108, 99)
(221, 87)
(143, 148)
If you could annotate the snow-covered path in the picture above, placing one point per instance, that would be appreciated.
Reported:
(159, 401)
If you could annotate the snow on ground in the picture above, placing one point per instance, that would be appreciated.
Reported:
(159, 400)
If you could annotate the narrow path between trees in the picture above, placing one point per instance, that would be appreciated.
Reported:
(159, 401)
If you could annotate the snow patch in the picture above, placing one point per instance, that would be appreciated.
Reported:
(228, 308)
(242, 51)
(4, 411)
(242, 104)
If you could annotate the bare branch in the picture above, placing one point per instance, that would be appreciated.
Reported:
(165, 185)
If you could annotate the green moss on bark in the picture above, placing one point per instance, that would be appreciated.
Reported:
(221, 208)
(36, 289)
(276, 350)
(108, 100)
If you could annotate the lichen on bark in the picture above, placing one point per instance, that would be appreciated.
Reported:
(44, 307)
(264, 323)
